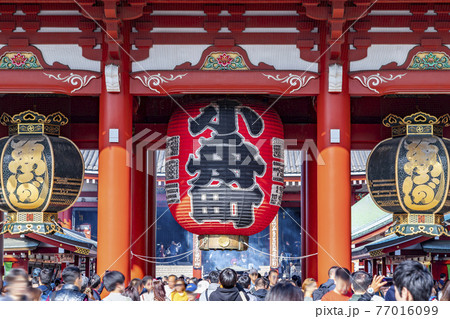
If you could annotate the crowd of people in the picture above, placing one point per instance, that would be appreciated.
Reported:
(412, 281)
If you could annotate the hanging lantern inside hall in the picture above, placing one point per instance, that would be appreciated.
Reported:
(224, 171)
(408, 174)
(41, 173)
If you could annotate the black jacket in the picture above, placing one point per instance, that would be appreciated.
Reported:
(260, 294)
(68, 293)
(323, 289)
(226, 294)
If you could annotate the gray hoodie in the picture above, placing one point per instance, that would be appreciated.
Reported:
(212, 287)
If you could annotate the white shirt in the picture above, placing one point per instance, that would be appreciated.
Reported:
(115, 296)
(149, 296)
(168, 290)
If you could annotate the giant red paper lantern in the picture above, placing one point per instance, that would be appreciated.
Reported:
(224, 171)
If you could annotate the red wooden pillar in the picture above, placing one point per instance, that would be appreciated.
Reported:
(383, 265)
(138, 216)
(151, 210)
(366, 265)
(303, 213)
(114, 175)
(87, 265)
(333, 177)
(310, 179)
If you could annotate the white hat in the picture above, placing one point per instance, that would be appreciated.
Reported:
(201, 287)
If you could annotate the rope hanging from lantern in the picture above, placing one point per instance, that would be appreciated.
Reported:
(160, 262)
(291, 258)
(151, 257)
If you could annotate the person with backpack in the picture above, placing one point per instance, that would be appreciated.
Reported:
(45, 280)
(327, 286)
(261, 289)
(214, 284)
(228, 290)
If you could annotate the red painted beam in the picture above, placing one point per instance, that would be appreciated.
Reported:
(290, 83)
(367, 83)
(364, 136)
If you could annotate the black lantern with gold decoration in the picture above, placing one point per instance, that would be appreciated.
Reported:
(408, 174)
(41, 173)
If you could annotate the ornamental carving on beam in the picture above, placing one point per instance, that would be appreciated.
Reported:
(155, 80)
(219, 61)
(75, 80)
(19, 61)
(294, 80)
(427, 60)
(226, 57)
(374, 80)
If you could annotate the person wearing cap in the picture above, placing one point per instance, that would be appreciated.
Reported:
(179, 294)
(190, 291)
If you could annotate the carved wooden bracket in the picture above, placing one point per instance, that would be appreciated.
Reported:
(224, 56)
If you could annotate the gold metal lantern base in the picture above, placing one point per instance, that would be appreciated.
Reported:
(431, 225)
(223, 242)
(25, 222)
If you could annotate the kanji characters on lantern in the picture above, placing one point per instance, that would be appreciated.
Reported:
(224, 168)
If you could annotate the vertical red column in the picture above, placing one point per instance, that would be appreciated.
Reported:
(311, 215)
(333, 177)
(138, 216)
(303, 213)
(151, 210)
(114, 175)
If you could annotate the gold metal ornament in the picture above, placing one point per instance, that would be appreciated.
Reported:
(408, 174)
(41, 173)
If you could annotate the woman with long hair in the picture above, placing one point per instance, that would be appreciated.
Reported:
(445, 292)
(158, 291)
(134, 290)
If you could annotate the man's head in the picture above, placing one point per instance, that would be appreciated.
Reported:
(253, 274)
(261, 283)
(171, 280)
(245, 281)
(95, 281)
(147, 282)
(72, 275)
(361, 282)
(45, 276)
(413, 282)
(343, 280)
(332, 272)
(273, 277)
(228, 278)
(443, 276)
(16, 282)
(114, 281)
(214, 277)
